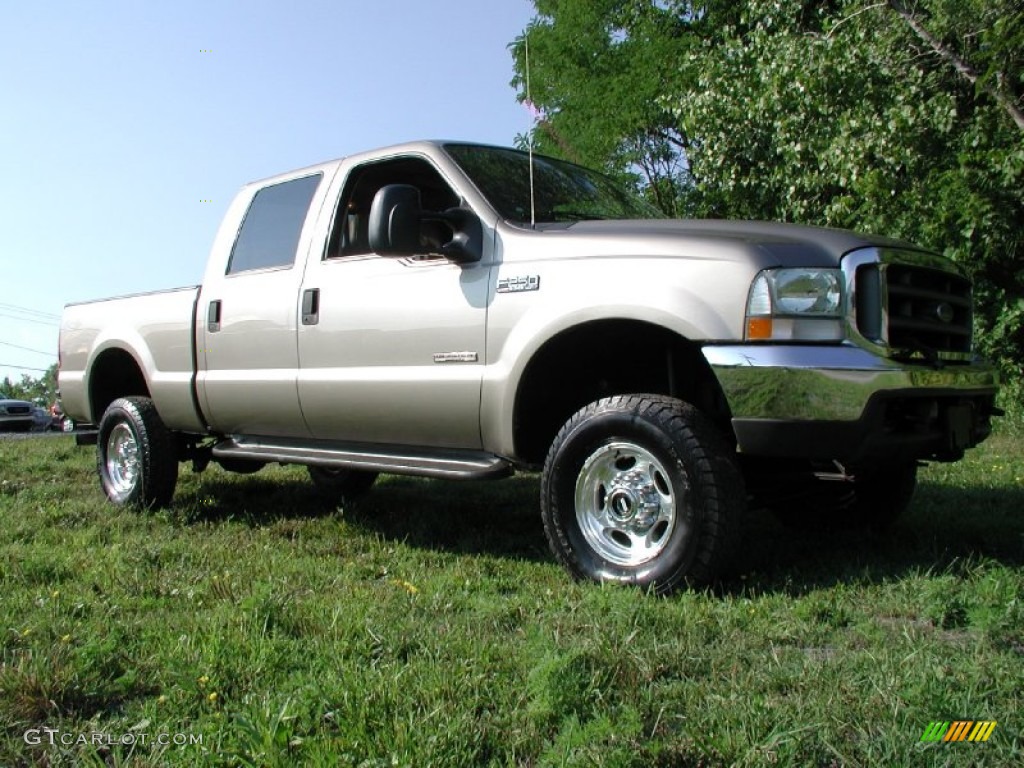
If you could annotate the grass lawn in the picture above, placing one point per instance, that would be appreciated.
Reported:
(427, 625)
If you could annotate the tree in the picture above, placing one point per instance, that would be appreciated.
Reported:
(894, 117)
(1001, 45)
(42, 390)
(598, 72)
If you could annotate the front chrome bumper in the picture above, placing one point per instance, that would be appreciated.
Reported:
(844, 402)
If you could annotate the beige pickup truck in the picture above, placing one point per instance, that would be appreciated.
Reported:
(464, 311)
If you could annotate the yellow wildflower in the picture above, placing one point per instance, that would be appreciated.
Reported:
(410, 588)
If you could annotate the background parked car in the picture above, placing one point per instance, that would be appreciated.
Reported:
(16, 415)
(40, 419)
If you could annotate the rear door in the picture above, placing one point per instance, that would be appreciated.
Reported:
(248, 311)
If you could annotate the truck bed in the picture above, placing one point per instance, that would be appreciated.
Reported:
(158, 330)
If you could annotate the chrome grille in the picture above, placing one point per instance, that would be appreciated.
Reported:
(928, 309)
(914, 309)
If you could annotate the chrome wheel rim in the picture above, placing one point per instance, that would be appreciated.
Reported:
(625, 504)
(122, 459)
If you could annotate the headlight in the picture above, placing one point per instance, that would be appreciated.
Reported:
(798, 304)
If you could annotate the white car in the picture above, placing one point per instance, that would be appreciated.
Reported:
(16, 415)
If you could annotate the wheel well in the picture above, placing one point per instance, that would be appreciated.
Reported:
(604, 358)
(114, 374)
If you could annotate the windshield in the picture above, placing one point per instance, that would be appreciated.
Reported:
(563, 192)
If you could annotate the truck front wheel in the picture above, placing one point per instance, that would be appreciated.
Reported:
(641, 489)
(136, 454)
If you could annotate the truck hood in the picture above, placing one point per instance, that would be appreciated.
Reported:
(783, 244)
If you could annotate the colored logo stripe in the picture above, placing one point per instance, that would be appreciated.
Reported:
(934, 731)
(982, 731)
(959, 730)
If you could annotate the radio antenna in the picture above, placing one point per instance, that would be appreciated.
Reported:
(529, 143)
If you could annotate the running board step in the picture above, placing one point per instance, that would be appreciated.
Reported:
(399, 460)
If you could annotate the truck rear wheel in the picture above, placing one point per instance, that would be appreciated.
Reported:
(136, 454)
(641, 489)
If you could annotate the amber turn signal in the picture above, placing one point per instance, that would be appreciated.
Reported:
(759, 327)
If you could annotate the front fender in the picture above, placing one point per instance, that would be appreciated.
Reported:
(519, 327)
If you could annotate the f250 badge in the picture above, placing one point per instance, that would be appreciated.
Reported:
(519, 284)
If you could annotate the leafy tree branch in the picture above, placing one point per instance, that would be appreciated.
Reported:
(962, 67)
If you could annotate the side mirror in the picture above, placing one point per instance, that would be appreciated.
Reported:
(467, 243)
(395, 217)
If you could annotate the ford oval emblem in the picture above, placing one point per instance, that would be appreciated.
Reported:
(944, 312)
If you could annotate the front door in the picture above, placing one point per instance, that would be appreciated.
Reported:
(395, 351)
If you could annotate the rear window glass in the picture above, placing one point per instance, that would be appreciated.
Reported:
(270, 231)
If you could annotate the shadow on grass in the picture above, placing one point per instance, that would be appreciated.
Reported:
(493, 518)
(484, 517)
(945, 526)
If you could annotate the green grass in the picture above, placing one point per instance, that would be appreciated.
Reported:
(428, 626)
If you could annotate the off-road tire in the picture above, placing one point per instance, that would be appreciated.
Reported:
(136, 455)
(652, 457)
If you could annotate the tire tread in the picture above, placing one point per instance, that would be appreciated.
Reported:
(717, 481)
(158, 451)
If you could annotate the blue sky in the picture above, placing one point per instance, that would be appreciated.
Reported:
(120, 118)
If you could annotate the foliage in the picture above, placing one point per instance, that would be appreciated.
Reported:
(838, 113)
(42, 390)
(598, 76)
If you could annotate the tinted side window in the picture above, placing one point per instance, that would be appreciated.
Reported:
(350, 235)
(270, 231)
